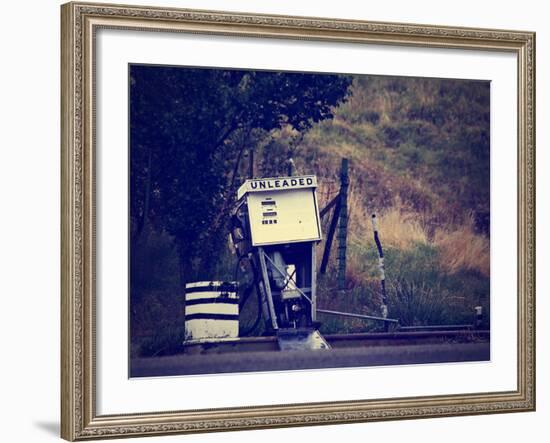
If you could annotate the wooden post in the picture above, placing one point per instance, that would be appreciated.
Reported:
(343, 224)
(291, 168)
(313, 283)
(251, 163)
(330, 236)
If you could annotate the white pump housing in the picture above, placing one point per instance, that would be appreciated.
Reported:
(282, 210)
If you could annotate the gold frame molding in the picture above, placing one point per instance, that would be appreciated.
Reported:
(79, 22)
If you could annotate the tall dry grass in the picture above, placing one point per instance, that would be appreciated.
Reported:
(397, 228)
(462, 248)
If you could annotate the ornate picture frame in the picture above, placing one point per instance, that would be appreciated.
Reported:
(80, 23)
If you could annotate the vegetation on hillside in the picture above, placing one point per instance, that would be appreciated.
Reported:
(419, 151)
(419, 158)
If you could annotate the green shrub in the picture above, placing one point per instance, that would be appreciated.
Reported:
(419, 290)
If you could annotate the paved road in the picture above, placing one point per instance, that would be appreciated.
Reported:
(335, 358)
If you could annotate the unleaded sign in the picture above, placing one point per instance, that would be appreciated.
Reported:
(282, 210)
(280, 183)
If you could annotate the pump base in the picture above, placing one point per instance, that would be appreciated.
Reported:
(300, 339)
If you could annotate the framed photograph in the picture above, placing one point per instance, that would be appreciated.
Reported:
(282, 221)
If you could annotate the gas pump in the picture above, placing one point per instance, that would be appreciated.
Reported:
(276, 226)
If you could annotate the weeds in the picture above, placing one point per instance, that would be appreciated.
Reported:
(421, 303)
(421, 289)
(398, 229)
(418, 153)
(464, 249)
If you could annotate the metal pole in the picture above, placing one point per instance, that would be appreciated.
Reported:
(267, 289)
(436, 327)
(343, 224)
(380, 266)
(366, 317)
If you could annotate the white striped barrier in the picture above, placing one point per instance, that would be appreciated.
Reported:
(211, 311)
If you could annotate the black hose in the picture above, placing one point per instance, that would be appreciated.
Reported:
(246, 295)
(250, 329)
(250, 288)
(237, 266)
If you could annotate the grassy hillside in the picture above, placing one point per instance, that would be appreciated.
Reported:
(419, 159)
(424, 142)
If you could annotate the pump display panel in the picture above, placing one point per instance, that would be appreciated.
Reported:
(282, 210)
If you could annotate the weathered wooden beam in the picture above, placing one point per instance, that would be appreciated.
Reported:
(343, 224)
(330, 237)
(329, 206)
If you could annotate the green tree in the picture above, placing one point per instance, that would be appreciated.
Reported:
(183, 126)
